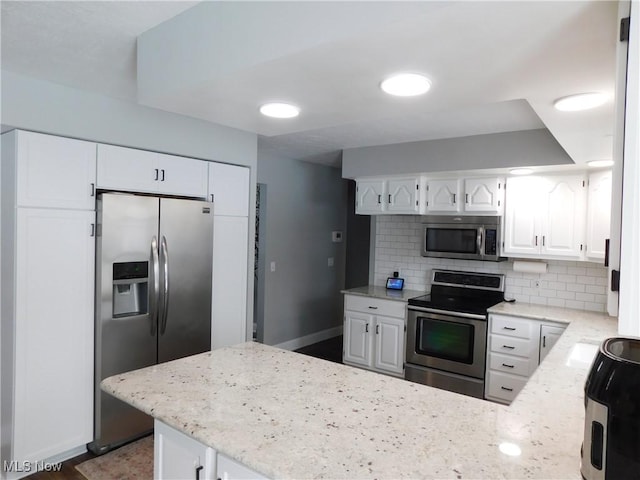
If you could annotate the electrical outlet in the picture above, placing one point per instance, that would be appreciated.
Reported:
(330, 261)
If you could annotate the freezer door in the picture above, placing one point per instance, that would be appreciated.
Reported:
(125, 334)
(186, 251)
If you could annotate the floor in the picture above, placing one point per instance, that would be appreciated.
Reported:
(330, 349)
(68, 471)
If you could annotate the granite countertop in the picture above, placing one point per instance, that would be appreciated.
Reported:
(543, 312)
(287, 415)
(381, 292)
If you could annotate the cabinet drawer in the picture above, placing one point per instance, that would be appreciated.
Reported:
(509, 364)
(510, 346)
(511, 327)
(504, 386)
(375, 306)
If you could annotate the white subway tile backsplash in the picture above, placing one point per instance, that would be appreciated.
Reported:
(566, 284)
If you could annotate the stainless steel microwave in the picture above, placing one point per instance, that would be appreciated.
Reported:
(462, 237)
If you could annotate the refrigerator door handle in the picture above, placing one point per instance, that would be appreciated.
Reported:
(155, 286)
(164, 255)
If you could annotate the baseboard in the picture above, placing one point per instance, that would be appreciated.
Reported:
(310, 339)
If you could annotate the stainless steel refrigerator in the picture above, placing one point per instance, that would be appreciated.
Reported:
(153, 296)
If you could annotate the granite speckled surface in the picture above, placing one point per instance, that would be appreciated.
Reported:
(381, 292)
(288, 415)
(544, 312)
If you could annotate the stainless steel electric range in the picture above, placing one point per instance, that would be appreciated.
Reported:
(447, 331)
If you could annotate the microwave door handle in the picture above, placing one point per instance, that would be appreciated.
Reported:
(480, 241)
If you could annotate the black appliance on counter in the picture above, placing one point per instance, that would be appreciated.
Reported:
(611, 448)
(447, 331)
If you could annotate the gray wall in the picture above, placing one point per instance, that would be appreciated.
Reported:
(497, 150)
(305, 203)
(46, 107)
(358, 240)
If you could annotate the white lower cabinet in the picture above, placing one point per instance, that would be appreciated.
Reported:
(177, 456)
(374, 334)
(514, 351)
(229, 469)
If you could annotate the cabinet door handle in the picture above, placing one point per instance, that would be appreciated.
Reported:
(507, 389)
(544, 341)
(466, 198)
(454, 198)
(212, 197)
(389, 199)
(509, 328)
(373, 308)
(536, 240)
(508, 347)
(198, 470)
(93, 190)
(379, 199)
(543, 240)
(157, 174)
(366, 328)
(162, 179)
(377, 329)
(93, 230)
(508, 366)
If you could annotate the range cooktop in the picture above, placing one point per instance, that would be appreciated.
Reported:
(464, 292)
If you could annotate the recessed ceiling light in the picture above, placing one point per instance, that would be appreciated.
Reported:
(581, 101)
(279, 110)
(521, 171)
(600, 163)
(510, 449)
(406, 85)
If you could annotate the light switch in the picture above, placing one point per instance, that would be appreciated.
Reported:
(330, 261)
(273, 266)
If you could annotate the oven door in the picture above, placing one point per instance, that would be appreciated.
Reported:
(453, 241)
(452, 342)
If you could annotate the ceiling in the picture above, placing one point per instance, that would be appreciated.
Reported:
(494, 66)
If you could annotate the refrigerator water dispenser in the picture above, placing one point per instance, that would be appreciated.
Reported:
(130, 289)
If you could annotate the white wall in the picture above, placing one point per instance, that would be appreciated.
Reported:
(305, 203)
(629, 312)
(579, 285)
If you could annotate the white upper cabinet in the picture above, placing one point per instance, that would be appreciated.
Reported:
(54, 172)
(390, 195)
(403, 195)
(443, 195)
(182, 176)
(484, 195)
(369, 195)
(229, 188)
(133, 170)
(598, 214)
(468, 195)
(545, 217)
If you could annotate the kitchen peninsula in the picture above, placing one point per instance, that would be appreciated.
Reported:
(286, 415)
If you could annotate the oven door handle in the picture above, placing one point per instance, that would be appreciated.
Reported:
(474, 316)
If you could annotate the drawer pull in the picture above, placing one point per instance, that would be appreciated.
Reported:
(508, 366)
(509, 328)
(373, 308)
(507, 389)
(508, 346)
